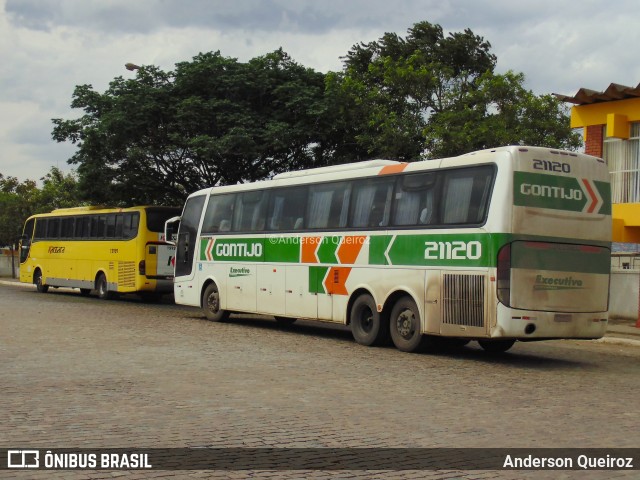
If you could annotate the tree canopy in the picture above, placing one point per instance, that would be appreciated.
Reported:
(215, 120)
(20, 200)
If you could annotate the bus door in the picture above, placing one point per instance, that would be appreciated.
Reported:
(25, 249)
(187, 250)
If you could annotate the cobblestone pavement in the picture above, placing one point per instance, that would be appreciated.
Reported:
(82, 373)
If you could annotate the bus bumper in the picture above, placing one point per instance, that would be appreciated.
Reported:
(535, 325)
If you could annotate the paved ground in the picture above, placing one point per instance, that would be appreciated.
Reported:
(78, 373)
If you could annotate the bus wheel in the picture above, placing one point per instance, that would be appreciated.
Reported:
(103, 288)
(405, 326)
(285, 321)
(368, 326)
(37, 279)
(211, 304)
(496, 346)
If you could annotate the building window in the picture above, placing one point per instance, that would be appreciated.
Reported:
(623, 158)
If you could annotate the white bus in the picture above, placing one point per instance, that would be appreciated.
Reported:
(498, 245)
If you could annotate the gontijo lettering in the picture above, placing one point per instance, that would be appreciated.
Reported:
(238, 249)
(551, 192)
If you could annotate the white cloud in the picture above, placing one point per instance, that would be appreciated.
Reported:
(47, 48)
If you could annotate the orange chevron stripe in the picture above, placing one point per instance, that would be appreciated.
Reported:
(209, 252)
(594, 197)
(350, 248)
(308, 250)
(336, 280)
(392, 169)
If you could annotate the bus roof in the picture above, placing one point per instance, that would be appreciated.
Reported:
(372, 168)
(94, 209)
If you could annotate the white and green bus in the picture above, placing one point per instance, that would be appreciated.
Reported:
(496, 246)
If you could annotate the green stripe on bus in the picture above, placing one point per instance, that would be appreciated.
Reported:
(327, 250)
(282, 249)
(316, 277)
(556, 192)
(460, 249)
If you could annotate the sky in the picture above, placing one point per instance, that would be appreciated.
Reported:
(47, 47)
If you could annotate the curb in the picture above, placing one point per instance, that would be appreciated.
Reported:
(619, 341)
(16, 284)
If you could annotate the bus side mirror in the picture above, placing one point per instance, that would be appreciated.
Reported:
(171, 227)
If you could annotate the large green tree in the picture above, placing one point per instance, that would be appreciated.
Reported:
(212, 121)
(429, 95)
(216, 121)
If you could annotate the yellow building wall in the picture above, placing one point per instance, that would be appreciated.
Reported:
(626, 222)
(615, 115)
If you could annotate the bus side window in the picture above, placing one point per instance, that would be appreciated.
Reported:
(41, 229)
(219, 213)
(287, 209)
(111, 226)
(66, 227)
(130, 225)
(414, 200)
(249, 212)
(327, 206)
(82, 227)
(53, 228)
(371, 203)
(466, 195)
(119, 226)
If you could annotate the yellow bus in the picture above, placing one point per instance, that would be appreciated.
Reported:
(109, 250)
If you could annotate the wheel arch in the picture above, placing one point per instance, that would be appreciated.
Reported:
(208, 281)
(37, 269)
(99, 272)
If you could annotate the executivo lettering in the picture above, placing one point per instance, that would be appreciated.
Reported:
(557, 283)
(239, 272)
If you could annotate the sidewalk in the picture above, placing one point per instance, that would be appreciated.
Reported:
(620, 331)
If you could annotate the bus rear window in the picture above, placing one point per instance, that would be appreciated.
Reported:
(157, 216)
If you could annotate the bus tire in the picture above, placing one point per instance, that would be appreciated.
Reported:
(285, 321)
(405, 326)
(211, 304)
(103, 287)
(496, 346)
(368, 326)
(37, 279)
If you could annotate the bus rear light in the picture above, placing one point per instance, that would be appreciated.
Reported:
(142, 269)
(504, 275)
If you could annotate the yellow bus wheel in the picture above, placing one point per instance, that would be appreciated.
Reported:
(103, 288)
(37, 279)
